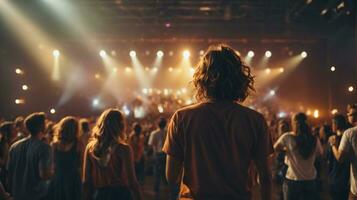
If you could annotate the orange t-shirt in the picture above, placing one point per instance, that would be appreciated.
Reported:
(217, 141)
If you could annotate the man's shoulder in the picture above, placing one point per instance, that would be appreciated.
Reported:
(19, 143)
(351, 132)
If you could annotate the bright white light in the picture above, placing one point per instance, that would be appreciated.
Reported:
(18, 71)
(334, 111)
(56, 53)
(166, 92)
(188, 102)
(145, 91)
(102, 53)
(126, 110)
(192, 70)
(160, 108)
(268, 54)
(350, 88)
(25, 87)
(160, 53)
(281, 69)
(281, 114)
(333, 68)
(202, 52)
(52, 111)
(308, 112)
(170, 69)
(303, 54)
(186, 54)
(95, 102)
(183, 90)
(267, 70)
(19, 101)
(272, 92)
(316, 114)
(155, 69)
(132, 53)
(251, 54)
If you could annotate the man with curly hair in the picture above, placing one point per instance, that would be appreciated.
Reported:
(211, 145)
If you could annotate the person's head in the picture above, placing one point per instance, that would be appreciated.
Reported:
(109, 129)
(283, 126)
(137, 128)
(339, 123)
(305, 142)
(36, 124)
(325, 132)
(352, 114)
(67, 130)
(162, 123)
(19, 123)
(7, 129)
(84, 125)
(222, 75)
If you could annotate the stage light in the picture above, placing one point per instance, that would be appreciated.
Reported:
(171, 53)
(267, 70)
(308, 112)
(97, 76)
(126, 110)
(19, 101)
(202, 52)
(281, 114)
(272, 92)
(333, 68)
(132, 53)
(52, 111)
(303, 54)
(268, 54)
(155, 69)
(160, 108)
(351, 88)
(251, 54)
(160, 53)
(334, 111)
(19, 71)
(95, 102)
(127, 69)
(145, 91)
(25, 87)
(166, 92)
(188, 101)
(56, 53)
(186, 54)
(281, 69)
(316, 114)
(147, 69)
(184, 90)
(170, 69)
(102, 53)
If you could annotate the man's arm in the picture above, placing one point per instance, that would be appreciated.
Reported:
(173, 170)
(46, 168)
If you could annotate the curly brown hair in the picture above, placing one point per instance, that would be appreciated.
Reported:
(66, 131)
(221, 75)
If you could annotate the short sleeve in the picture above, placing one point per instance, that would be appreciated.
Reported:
(263, 146)
(45, 158)
(174, 145)
(345, 144)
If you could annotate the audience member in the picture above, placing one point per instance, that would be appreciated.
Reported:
(136, 141)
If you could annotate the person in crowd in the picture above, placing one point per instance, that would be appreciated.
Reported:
(66, 182)
(6, 129)
(301, 151)
(136, 141)
(49, 133)
(211, 144)
(156, 142)
(29, 164)
(85, 131)
(20, 129)
(339, 173)
(108, 169)
(347, 149)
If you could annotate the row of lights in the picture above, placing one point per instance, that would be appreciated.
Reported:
(186, 53)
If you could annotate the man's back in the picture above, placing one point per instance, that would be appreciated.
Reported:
(216, 142)
(26, 158)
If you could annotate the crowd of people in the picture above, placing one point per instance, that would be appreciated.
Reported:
(214, 149)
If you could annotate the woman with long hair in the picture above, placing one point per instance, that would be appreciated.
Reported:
(301, 149)
(108, 169)
(66, 182)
